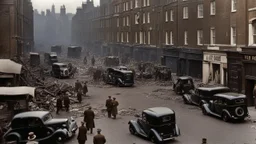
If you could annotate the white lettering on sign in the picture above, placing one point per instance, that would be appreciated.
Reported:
(214, 58)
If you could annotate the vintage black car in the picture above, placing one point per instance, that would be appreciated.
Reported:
(50, 58)
(118, 77)
(45, 127)
(227, 106)
(60, 70)
(202, 95)
(183, 85)
(158, 124)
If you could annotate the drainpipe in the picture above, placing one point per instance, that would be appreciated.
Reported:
(246, 23)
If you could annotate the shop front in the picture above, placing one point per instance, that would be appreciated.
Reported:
(146, 54)
(215, 67)
(171, 58)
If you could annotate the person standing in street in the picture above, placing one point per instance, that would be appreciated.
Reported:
(78, 85)
(114, 107)
(82, 131)
(85, 88)
(89, 119)
(66, 102)
(79, 96)
(85, 60)
(31, 138)
(58, 104)
(93, 61)
(99, 138)
(109, 106)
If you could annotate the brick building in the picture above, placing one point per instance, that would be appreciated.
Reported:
(16, 26)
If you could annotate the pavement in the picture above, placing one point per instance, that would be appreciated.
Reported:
(252, 113)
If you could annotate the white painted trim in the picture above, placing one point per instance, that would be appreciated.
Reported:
(252, 9)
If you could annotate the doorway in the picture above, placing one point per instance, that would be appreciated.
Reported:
(216, 73)
(249, 88)
(225, 82)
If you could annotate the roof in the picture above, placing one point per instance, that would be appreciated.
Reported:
(122, 71)
(185, 77)
(39, 114)
(74, 47)
(212, 88)
(159, 111)
(33, 53)
(59, 64)
(230, 95)
(9, 66)
(14, 91)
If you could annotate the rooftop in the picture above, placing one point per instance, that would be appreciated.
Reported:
(39, 114)
(159, 111)
(230, 95)
(185, 77)
(213, 88)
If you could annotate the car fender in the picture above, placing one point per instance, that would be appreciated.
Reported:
(227, 112)
(62, 132)
(120, 80)
(203, 102)
(135, 125)
(187, 97)
(12, 134)
(206, 107)
(177, 129)
(154, 132)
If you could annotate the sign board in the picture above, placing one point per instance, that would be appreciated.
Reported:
(215, 58)
(249, 57)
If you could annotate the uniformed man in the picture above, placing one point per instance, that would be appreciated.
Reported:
(66, 102)
(93, 61)
(99, 138)
(79, 96)
(109, 106)
(78, 86)
(85, 88)
(89, 119)
(82, 131)
(85, 60)
(58, 104)
(114, 107)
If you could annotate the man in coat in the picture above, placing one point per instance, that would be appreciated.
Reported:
(109, 106)
(93, 61)
(58, 104)
(66, 102)
(114, 107)
(82, 131)
(85, 88)
(99, 138)
(79, 96)
(78, 86)
(89, 119)
(85, 60)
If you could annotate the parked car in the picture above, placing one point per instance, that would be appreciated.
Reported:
(45, 127)
(202, 95)
(60, 70)
(158, 124)
(50, 58)
(183, 85)
(118, 77)
(227, 106)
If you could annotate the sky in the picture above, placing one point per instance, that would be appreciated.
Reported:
(71, 5)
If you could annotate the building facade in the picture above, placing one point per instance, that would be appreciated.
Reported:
(16, 26)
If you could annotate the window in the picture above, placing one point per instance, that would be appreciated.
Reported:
(171, 15)
(213, 8)
(148, 2)
(141, 37)
(124, 7)
(123, 21)
(213, 35)
(166, 38)
(254, 31)
(127, 37)
(144, 37)
(171, 38)
(200, 11)
(199, 37)
(127, 21)
(117, 22)
(131, 4)
(144, 3)
(136, 37)
(185, 38)
(185, 12)
(166, 16)
(144, 18)
(137, 17)
(136, 3)
(233, 36)
(233, 5)
(122, 37)
(117, 36)
(148, 17)
(127, 6)
(149, 37)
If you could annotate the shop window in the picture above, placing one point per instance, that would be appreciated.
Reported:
(254, 31)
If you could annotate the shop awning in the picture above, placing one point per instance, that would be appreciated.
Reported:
(9, 66)
(15, 91)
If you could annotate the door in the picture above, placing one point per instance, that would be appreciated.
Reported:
(219, 105)
(249, 92)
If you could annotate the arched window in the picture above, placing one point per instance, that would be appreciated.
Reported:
(254, 31)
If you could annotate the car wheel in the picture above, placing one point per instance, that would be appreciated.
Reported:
(132, 130)
(12, 139)
(154, 140)
(225, 117)
(204, 111)
(59, 139)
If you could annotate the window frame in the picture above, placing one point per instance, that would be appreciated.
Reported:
(185, 13)
(233, 5)
(233, 36)
(213, 8)
(185, 37)
(213, 36)
(200, 36)
(200, 11)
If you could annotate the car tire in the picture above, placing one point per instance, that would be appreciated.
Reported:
(12, 138)
(225, 117)
(132, 130)
(204, 111)
(59, 139)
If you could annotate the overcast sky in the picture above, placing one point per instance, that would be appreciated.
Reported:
(71, 5)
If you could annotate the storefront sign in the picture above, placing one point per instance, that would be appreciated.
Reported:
(249, 57)
(213, 58)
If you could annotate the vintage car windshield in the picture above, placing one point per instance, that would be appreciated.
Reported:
(47, 117)
(161, 120)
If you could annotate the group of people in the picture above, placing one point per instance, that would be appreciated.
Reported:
(59, 105)
(80, 89)
(111, 105)
(92, 60)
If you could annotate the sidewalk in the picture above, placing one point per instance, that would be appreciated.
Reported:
(252, 113)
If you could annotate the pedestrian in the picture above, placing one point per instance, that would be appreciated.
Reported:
(93, 61)
(109, 106)
(82, 131)
(79, 96)
(31, 138)
(114, 107)
(58, 104)
(204, 141)
(78, 85)
(99, 138)
(85, 88)
(89, 119)
(85, 60)
(66, 102)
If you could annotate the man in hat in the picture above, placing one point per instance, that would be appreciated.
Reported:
(79, 96)
(93, 61)
(78, 86)
(99, 138)
(109, 106)
(31, 138)
(85, 88)
(114, 107)
(66, 102)
(89, 119)
(82, 131)
(58, 104)
(204, 141)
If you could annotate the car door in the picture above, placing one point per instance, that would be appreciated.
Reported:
(218, 105)
(37, 126)
(195, 97)
(144, 124)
